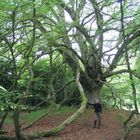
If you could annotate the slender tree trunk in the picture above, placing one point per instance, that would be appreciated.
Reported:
(3, 119)
(134, 93)
(132, 122)
(17, 125)
(19, 135)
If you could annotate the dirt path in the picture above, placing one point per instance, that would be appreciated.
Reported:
(82, 129)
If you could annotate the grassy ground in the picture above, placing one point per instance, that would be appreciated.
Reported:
(32, 116)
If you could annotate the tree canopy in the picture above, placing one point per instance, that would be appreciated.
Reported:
(67, 52)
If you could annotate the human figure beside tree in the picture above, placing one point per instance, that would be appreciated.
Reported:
(97, 115)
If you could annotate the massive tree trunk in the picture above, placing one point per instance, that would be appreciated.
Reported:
(91, 53)
(94, 94)
(92, 86)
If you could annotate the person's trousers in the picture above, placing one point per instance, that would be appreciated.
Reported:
(97, 119)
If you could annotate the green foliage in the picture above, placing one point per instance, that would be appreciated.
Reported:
(7, 6)
(3, 137)
(9, 100)
(5, 99)
(119, 93)
(137, 64)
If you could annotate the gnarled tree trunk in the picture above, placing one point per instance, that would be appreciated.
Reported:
(92, 87)
(92, 95)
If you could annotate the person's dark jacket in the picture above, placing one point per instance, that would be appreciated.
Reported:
(97, 107)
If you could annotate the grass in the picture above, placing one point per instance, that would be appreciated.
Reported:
(62, 110)
(29, 117)
(41, 111)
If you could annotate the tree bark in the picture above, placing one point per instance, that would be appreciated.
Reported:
(17, 125)
(92, 95)
(132, 122)
(3, 119)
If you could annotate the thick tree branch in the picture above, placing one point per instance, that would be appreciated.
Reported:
(119, 53)
(71, 118)
(99, 21)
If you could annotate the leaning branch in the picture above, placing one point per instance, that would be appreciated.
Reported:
(71, 118)
(109, 74)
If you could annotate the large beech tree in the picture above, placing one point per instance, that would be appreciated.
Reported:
(90, 31)
(87, 33)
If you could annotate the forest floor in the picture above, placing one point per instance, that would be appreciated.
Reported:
(82, 128)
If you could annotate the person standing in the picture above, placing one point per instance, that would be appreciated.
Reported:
(98, 111)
